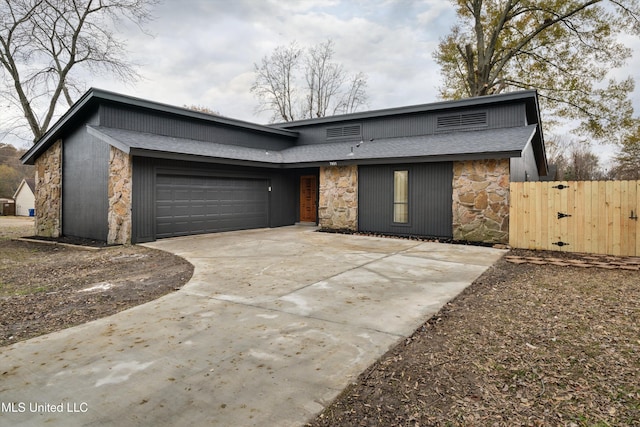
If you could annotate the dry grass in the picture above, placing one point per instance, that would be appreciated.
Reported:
(13, 227)
(40, 284)
(524, 345)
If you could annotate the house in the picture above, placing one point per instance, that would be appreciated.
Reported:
(24, 197)
(122, 169)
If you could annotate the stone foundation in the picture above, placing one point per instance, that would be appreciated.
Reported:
(481, 201)
(119, 194)
(338, 205)
(48, 196)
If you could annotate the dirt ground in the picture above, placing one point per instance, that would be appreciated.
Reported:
(45, 288)
(524, 345)
(530, 344)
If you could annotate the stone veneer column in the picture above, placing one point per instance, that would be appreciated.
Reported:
(119, 194)
(481, 201)
(338, 205)
(48, 220)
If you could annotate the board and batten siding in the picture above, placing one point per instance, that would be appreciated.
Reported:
(423, 123)
(182, 127)
(143, 209)
(430, 208)
(85, 203)
(599, 217)
(524, 168)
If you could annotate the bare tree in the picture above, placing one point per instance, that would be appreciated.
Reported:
(328, 88)
(203, 109)
(275, 82)
(574, 160)
(324, 79)
(584, 165)
(356, 95)
(43, 41)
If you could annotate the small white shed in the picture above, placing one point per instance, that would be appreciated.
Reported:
(24, 197)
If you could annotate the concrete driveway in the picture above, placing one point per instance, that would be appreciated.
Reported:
(272, 326)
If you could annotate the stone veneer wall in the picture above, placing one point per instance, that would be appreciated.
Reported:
(481, 201)
(338, 205)
(119, 194)
(48, 220)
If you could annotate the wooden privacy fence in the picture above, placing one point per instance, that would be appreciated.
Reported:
(599, 217)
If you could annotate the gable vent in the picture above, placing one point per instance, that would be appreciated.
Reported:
(461, 121)
(344, 131)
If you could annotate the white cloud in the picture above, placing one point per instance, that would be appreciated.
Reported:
(203, 51)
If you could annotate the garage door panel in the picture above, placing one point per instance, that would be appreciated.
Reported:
(181, 194)
(164, 193)
(199, 209)
(195, 204)
(198, 194)
(175, 228)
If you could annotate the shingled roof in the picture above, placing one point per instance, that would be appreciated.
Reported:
(495, 143)
(458, 145)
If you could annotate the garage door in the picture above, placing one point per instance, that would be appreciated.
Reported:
(197, 204)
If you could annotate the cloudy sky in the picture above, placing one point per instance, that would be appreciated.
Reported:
(201, 52)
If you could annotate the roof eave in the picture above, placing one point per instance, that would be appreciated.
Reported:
(107, 139)
(186, 112)
(94, 95)
(49, 137)
(408, 159)
(141, 152)
(540, 151)
(15, 194)
(329, 162)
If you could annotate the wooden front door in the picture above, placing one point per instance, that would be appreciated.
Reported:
(308, 196)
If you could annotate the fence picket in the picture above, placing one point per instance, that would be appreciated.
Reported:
(634, 227)
(579, 222)
(601, 215)
(545, 217)
(600, 220)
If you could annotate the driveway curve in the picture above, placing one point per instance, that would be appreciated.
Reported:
(272, 326)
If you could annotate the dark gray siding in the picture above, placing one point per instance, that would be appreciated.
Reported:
(164, 124)
(430, 199)
(143, 223)
(85, 168)
(524, 168)
(501, 116)
(282, 207)
(283, 199)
